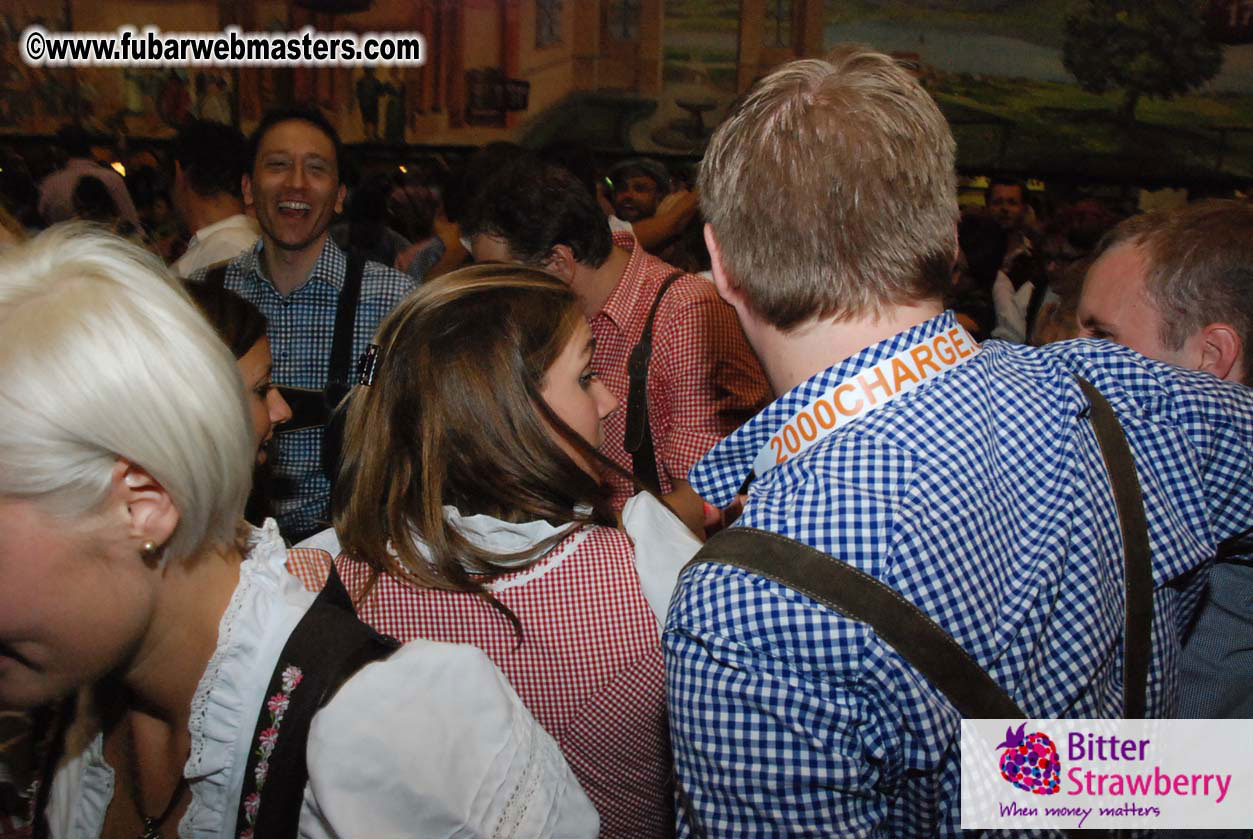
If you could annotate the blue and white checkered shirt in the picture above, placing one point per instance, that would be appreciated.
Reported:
(983, 498)
(301, 328)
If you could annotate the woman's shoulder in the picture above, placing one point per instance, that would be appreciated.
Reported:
(598, 537)
(436, 730)
(591, 555)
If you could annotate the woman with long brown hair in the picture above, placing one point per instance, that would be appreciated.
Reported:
(470, 507)
(207, 694)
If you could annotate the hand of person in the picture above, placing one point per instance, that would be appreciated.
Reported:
(716, 519)
(1019, 246)
(674, 213)
(680, 203)
(602, 199)
(686, 504)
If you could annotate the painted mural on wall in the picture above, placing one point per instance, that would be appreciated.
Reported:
(111, 101)
(1150, 88)
(141, 102)
(32, 99)
(1146, 89)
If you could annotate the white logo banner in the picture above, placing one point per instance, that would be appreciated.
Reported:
(1090, 774)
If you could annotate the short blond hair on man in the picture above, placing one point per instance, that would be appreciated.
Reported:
(831, 190)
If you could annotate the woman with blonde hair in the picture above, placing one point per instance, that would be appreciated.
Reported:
(129, 583)
(470, 507)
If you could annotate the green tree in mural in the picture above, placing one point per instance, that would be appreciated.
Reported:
(1155, 48)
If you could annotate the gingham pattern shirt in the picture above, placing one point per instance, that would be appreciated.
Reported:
(589, 666)
(982, 497)
(301, 328)
(703, 379)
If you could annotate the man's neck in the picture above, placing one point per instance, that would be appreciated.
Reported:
(595, 285)
(288, 270)
(790, 358)
(203, 212)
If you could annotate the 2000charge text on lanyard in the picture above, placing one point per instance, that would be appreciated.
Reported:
(870, 389)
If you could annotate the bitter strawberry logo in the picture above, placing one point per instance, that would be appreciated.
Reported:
(1030, 762)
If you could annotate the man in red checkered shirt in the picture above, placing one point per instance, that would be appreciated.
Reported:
(703, 379)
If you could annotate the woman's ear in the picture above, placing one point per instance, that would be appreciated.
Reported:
(150, 510)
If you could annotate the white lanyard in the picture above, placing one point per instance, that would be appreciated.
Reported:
(858, 395)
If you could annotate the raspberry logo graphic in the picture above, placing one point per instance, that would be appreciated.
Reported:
(1030, 762)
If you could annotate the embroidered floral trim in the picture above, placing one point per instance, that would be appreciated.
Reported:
(258, 604)
(277, 706)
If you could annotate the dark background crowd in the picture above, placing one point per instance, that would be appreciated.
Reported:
(404, 209)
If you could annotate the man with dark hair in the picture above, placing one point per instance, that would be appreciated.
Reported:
(1177, 286)
(299, 280)
(209, 162)
(1006, 200)
(56, 192)
(639, 184)
(905, 463)
(1021, 282)
(702, 379)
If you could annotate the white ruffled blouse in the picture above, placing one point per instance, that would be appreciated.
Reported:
(663, 544)
(430, 743)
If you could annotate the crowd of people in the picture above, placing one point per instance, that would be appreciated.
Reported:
(503, 503)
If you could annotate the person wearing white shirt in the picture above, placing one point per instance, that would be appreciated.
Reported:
(209, 162)
(56, 192)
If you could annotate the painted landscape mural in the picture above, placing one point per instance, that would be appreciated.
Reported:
(1132, 90)
(1140, 88)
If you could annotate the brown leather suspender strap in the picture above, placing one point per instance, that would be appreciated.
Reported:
(860, 597)
(920, 640)
(913, 634)
(215, 276)
(1137, 570)
(638, 440)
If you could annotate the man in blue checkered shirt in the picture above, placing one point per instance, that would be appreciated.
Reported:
(294, 275)
(967, 478)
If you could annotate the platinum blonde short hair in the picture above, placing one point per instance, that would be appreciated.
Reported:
(104, 356)
(831, 189)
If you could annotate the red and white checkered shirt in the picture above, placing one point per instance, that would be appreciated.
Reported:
(589, 666)
(703, 379)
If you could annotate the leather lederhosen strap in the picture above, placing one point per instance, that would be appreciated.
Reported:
(328, 646)
(638, 440)
(919, 639)
(312, 408)
(1137, 569)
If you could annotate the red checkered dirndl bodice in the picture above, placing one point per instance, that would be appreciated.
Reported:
(589, 667)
